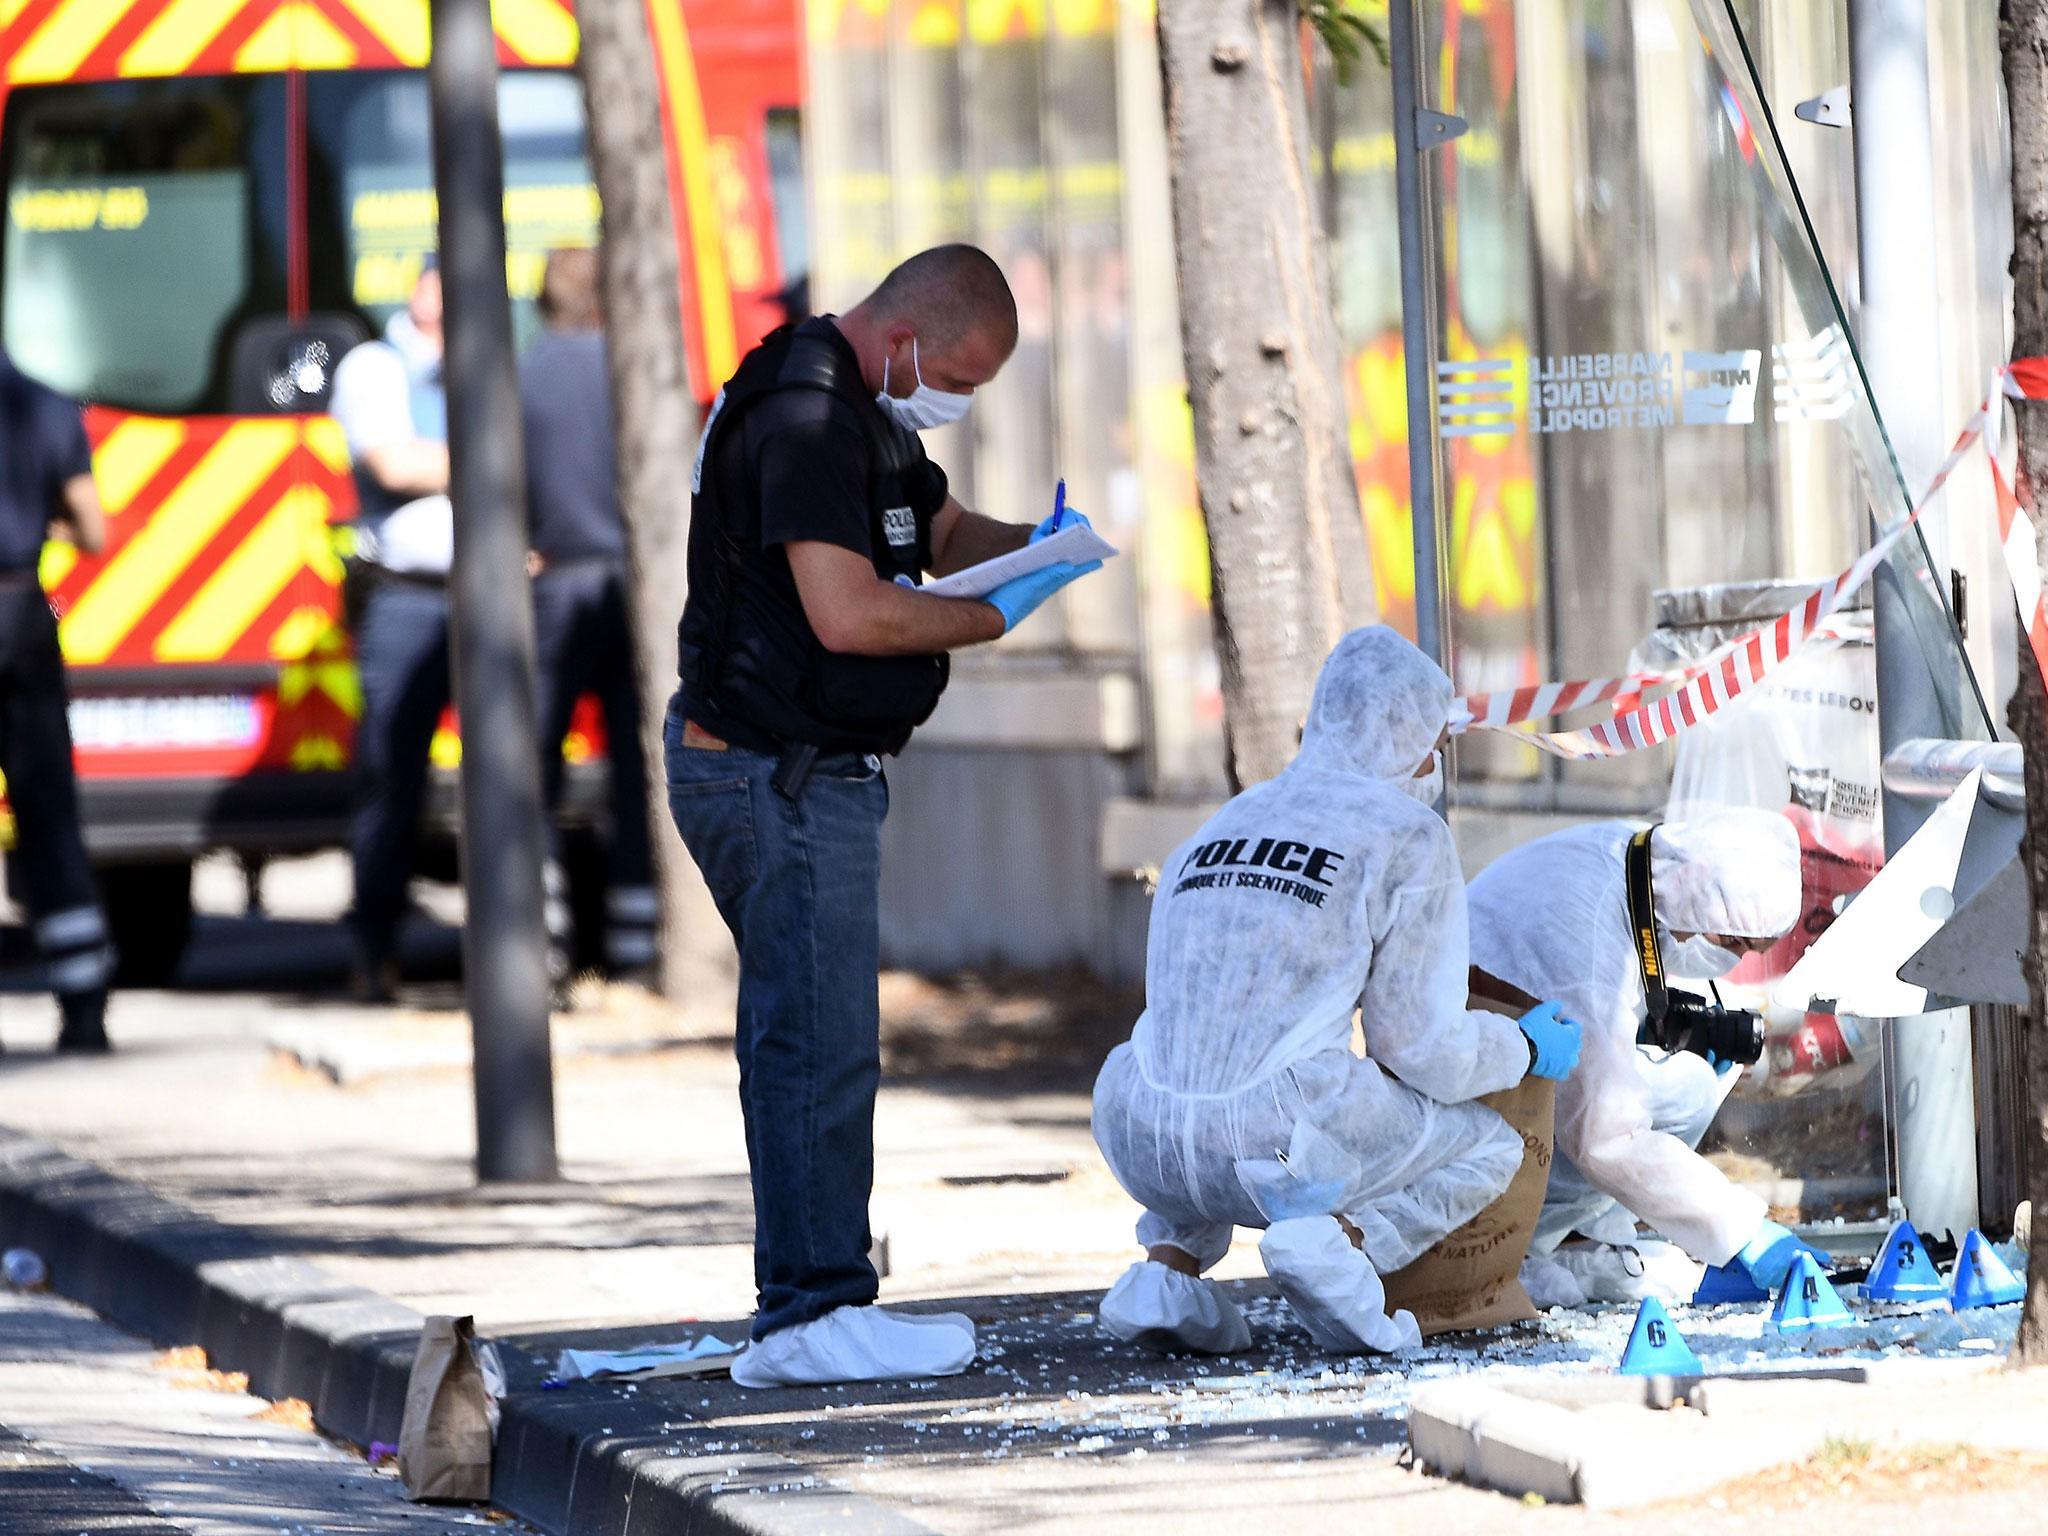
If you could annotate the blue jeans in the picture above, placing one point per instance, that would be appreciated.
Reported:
(583, 643)
(799, 886)
(402, 658)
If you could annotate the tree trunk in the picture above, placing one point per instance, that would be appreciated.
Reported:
(2023, 29)
(1272, 455)
(656, 418)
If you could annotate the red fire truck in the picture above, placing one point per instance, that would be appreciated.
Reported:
(206, 202)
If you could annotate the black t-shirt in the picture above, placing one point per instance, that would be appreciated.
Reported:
(565, 403)
(42, 445)
(800, 464)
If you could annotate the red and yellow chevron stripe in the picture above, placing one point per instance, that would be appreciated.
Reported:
(218, 554)
(217, 542)
(44, 40)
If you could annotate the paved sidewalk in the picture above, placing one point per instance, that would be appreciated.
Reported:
(653, 1221)
(989, 1189)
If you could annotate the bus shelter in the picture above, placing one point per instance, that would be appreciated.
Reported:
(1665, 368)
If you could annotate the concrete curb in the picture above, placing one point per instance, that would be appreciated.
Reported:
(177, 1277)
(1608, 1443)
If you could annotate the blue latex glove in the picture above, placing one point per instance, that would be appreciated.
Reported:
(1015, 600)
(1770, 1255)
(1068, 519)
(1556, 1039)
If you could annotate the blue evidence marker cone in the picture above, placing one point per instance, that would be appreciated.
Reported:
(1903, 1271)
(1655, 1347)
(1982, 1278)
(1809, 1300)
(1726, 1284)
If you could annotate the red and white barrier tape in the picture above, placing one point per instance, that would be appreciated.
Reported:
(2025, 378)
(1710, 686)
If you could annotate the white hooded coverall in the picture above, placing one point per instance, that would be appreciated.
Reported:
(1551, 917)
(1325, 890)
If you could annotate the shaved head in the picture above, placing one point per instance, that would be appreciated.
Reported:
(947, 295)
(568, 296)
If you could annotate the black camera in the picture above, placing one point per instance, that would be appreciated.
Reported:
(1691, 1023)
(1680, 1021)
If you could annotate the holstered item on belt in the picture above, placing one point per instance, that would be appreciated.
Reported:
(793, 770)
(28, 632)
(360, 577)
(357, 575)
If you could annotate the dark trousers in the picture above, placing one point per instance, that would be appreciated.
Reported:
(799, 885)
(583, 640)
(42, 791)
(402, 655)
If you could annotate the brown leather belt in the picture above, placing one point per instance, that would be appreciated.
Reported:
(701, 740)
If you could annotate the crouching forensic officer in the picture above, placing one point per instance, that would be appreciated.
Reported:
(807, 653)
(46, 488)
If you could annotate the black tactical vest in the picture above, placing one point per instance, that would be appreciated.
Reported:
(784, 688)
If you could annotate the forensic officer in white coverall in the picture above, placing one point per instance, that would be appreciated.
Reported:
(1552, 917)
(1238, 1100)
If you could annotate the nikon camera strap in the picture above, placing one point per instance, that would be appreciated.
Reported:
(1642, 917)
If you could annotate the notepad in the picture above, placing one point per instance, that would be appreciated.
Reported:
(1075, 546)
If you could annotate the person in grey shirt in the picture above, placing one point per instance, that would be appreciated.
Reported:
(582, 626)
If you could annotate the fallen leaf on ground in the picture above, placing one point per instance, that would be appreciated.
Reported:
(187, 1367)
(293, 1411)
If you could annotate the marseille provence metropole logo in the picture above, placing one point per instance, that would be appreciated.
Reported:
(1559, 392)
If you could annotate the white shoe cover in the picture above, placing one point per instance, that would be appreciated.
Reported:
(1550, 1284)
(1627, 1273)
(1162, 1309)
(858, 1344)
(1333, 1287)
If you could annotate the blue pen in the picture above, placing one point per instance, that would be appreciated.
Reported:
(1059, 507)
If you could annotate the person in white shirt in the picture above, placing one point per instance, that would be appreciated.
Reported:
(390, 402)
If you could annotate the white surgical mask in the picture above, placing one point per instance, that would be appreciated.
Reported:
(1698, 958)
(1430, 787)
(924, 407)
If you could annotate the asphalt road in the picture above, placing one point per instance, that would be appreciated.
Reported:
(99, 1434)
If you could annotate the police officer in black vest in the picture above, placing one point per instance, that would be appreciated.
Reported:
(807, 653)
(46, 487)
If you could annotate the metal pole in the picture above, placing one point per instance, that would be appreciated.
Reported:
(504, 941)
(1418, 332)
(1934, 1108)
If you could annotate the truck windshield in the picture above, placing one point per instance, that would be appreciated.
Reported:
(144, 222)
(372, 182)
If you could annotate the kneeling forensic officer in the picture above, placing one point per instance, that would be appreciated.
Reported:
(1593, 916)
(1238, 1100)
(806, 653)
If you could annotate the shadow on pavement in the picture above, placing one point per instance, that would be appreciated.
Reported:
(288, 959)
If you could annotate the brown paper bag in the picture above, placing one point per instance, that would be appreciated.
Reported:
(444, 1441)
(1470, 1279)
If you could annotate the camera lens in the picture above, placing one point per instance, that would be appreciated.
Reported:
(1735, 1035)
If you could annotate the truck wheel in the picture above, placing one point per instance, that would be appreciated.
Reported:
(149, 917)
